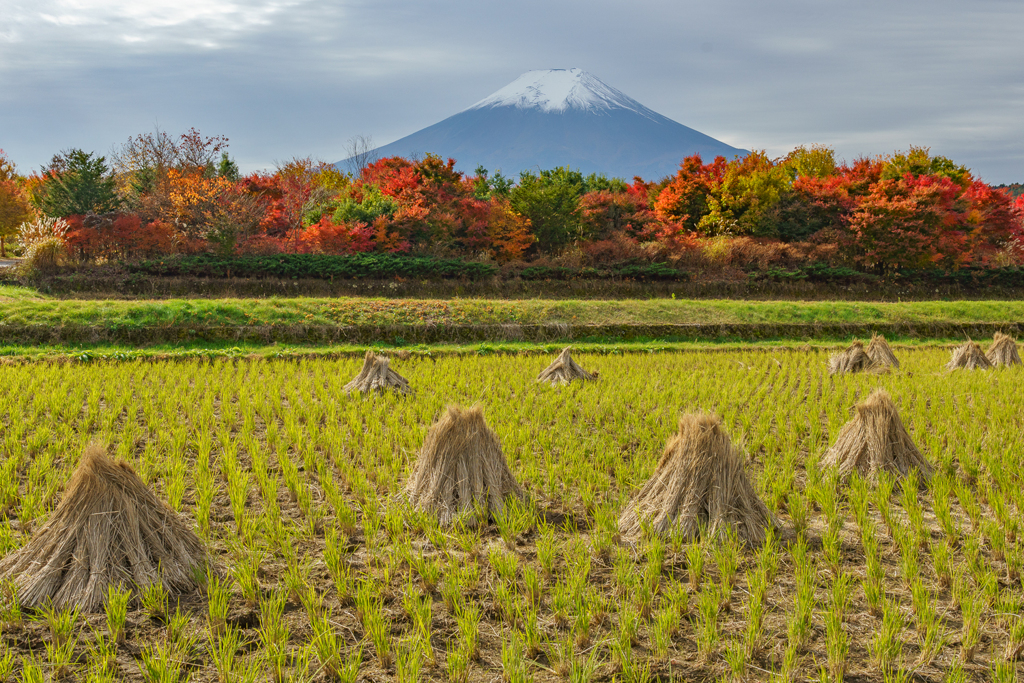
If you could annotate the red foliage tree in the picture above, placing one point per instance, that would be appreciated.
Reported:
(604, 213)
(117, 237)
(685, 200)
(326, 237)
(913, 222)
(993, 221)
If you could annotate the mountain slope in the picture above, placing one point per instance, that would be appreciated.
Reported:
(561, 117)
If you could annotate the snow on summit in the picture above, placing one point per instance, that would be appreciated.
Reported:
(558, 90)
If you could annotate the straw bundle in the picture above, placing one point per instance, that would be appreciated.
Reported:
(377, 375)
(853, 359)
(968, 356)
(880, 354)
(875, 440)
(1003, 350)
(461, 468)
(564, 370)
(108, 529)
(698, 485)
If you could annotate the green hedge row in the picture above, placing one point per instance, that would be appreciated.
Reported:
(967, 278)
(971, 278)
(383, 266)
(319, 266)
(630, 271)
(814, 272)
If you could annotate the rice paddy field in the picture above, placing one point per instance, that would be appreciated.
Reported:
(323, 573)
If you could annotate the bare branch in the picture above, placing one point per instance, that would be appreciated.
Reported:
(361, 153)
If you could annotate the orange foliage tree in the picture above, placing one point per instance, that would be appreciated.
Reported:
(14, 202)
(509, 232)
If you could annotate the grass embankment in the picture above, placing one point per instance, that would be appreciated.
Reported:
(28, 318)
(21, 306)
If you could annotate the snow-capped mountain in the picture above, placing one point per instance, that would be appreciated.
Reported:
(560, 117)
(556, 90)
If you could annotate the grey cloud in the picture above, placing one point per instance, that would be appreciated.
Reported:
(300, 78)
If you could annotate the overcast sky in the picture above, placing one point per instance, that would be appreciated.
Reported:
(296, 78)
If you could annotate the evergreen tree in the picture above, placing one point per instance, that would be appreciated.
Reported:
(77, 183)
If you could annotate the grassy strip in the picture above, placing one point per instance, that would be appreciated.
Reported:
(402, 335)
(186, 351)
(9, 293)
(21, 307)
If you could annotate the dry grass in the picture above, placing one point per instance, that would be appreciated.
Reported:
(700, 486)
(108, 530)
(564, 370)
(377, 375)
(461, 468)
(1003, 351)
(875, 440)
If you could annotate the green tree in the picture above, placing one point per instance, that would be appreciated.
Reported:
(551, 200)
(486, 186)
(77, 183)
(919, 161)
(741, 204)
(817, 162)
(372, 206)
(227, 168)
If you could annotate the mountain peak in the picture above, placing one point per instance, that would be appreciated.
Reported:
(561, 117)
(560, 90)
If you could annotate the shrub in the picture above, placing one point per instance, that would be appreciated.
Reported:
(616, 248)
(116, 235)
(814, 272)
(45, 256)
(41, 230)
(328, 237)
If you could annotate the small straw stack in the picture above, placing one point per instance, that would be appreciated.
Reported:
(109, 529)
(377, 375)
(881, 354)
(461, 468)
(853, 359)
(1003, 351)
(968, 356)
(564, 370)
(875, 440)
(699, 486)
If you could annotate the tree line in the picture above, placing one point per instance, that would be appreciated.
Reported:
(159, 194)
